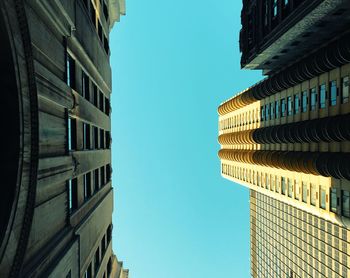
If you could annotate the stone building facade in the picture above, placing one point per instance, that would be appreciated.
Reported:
(287, 138)
(57, 201)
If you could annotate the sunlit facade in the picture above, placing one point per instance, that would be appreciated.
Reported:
(287, 138)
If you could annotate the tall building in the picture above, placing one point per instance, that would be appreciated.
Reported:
(287, 138)
(56, 192)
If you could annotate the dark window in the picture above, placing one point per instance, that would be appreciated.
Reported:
(107, 106)
(106, 44)
(105, 10)
(109, 233)
(266, 13)
(93, 14)
(103, 176)
(271, 111)
(267, 112)
(96, 180)
(334, 200)
(277, 109)
(97, 259)
(313, 99)
(108, 172)
(109, 266)
(322, 96)
(87, 186)
(283, 185)
(103, 245)
(345, 203)
(345, 89)
(296, 104)
(262, 113)
(274, 8)
(73, 195)
(96, 137)
(88, 272)
(333, 93)
(95, 95)
(101, 102)
(84, 136)
(85, 86)
(88, 136)
(283, 107)
(70, 72)
(289, 106)
(69, 274)
(304, 100)
(100, 32)
(102, 139)
(72, 134)
(108, 140)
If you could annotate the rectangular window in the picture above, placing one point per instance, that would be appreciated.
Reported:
(95, 94)
(296, 104)
(108, 106)
(70, 71)
(345, 89)
(93, 14)
(267, 112)
(108, 172)
(84, 136)
(96, 137)
(304, 192)
(105, 10)
(100, 32)
(334, 200)
(267, 181)
(277, 184)
(275, 8)
(290, 188)
(297, 190)
(102, 139)
(283, 185)
(72, 134)
(88, 272)
(313, 194)
(304, 100)
(262, 111)
(272, 183)
(96, 180)
(97, 259)
(102, 172)
(101, 102)
(103, 245)
(345, 203)
(322, 96)
(322, 197)
(85, 86)
(283, 107)
(277, 109)
(73, 195)
(289, 106)
(313, 99)
(88, 137)
(333, 93)
(87, 186)
(106, 44)
(108, 140)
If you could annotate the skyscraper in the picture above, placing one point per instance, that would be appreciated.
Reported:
(287, 138)
(56, 195)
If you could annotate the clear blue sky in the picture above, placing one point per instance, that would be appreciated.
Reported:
(173, 63)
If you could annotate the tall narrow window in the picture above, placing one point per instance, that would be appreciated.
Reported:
(283, 185)
(88, 137)
(108, 172)
(277, 109)
(96, 137)
(85, 86)
(297, 190)
(72, 195)
(108, 106)
(100, 32)
(304, 192)
(105, 10)
(108, 140)
(313, 99)
(101, 102)
(275, 8)
(102, 139)
(262, 113)
(334, 200)
(87, 186)
(93, 14)
(345, 203)
(96, 180)
(283, 107)
(84, 136)
(103, 176)
(322, 96)
(304, 100)
(289, 106)
(333, 93)
(70, 71)
(290, 188)
(322, 197)
(296, 104)
(345, 89)
(88, 272)
(313, 194)
(97, 259)
(72, 134)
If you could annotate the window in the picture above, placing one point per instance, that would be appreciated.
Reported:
(101, 102)
(87, 186)
(108, 140)
(103, 244)
(95, 94)
(283, 185)
(109, 233)
(106, 44)
(105, 10)
(313, 99)
(86, 136)
(333, 93)
(267, 181)
(277, 109)
(102, 139)
(72, 195)
(70, 71)
(304, 100)
(97, 259)
(272, 183)
(290, 188)
(289, 106)
(304, 192)
(262, 113)
(96, 137)
(283, 107)
(322, 96)
(109, 266)
(88, 272)
(108, 106)
(334, 200)
(102, 172)
(277, 184)
(72, 134)
(267, 112)
(345, 89)
(271, 111)
(100, 32)
(296, 104)
(322, 197)
(275, 8)
(345, 203)
(93, 14)
(313, 194)
(297, 190)
(96, 180)
(85, 86)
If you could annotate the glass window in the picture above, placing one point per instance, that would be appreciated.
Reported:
(70, 71)
(334, 200)
(304, 192)
(262, 113)
(72, 134)
(297, 190)
(72, 195)
(313, 194)
(267, 181)
(283, 185)
(85, 86)
(345, 89)
(313, 99)
(290, 188)
(323, 96)
(304, 100)
(333, 93)
(289, 106)
(277, 185)
(272, 183)
(345, 203)
(267, 112)
(277, 109)
(275, 8)
(296, 104)
(322, 197)
(283, 107)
